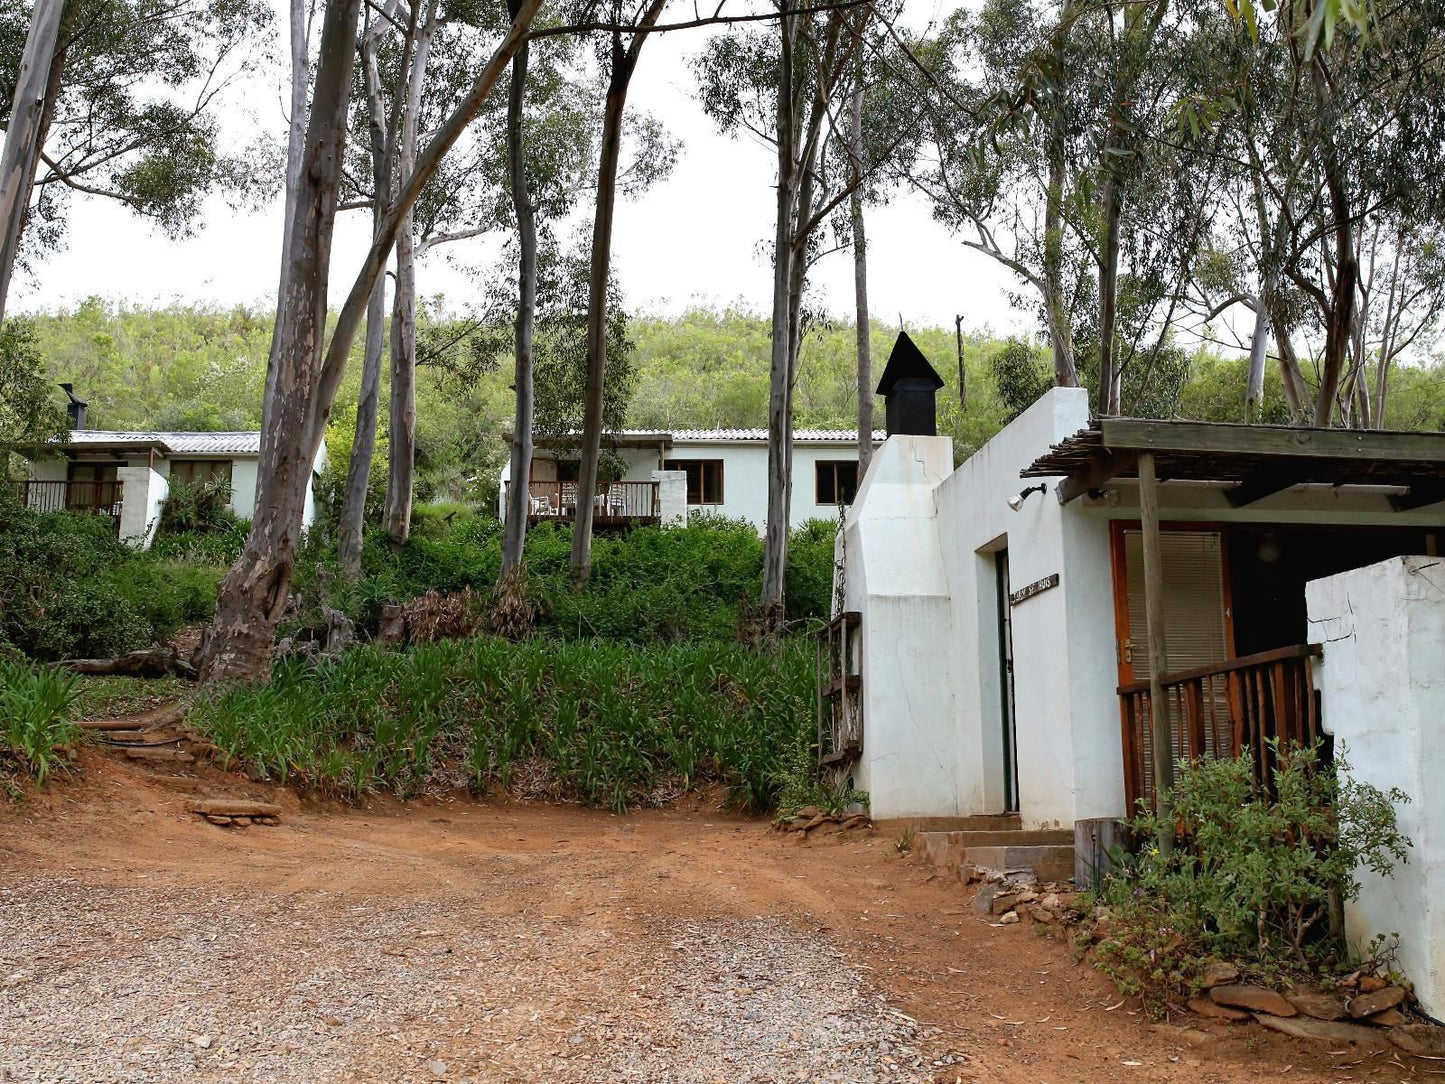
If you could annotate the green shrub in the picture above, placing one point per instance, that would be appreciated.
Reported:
(437, 519)
(219, 546)
(198, 507)
(1253, 878)
(35, 716)
(69, 588)
(609, 724)
(649, 585)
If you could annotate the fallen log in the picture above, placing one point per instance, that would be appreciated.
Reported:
(167, 715)
(148, 662)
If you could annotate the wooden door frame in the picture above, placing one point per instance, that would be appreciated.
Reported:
(1119, 569)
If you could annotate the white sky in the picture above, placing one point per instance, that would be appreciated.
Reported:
(693, 239)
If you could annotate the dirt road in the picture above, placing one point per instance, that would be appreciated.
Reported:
(451, 940)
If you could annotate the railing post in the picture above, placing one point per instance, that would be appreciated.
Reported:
(1158, 652)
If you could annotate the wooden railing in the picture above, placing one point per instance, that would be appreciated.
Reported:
(1223, 710)
(615, 502)
(840, 689)
(98, 498)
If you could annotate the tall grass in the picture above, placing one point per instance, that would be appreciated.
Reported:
(607, 724)
(35, 715)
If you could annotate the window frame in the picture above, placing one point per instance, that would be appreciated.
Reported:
(210, 474)
(699, 469)
(830, 467)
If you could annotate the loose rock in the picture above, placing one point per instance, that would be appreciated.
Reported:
(1203, 1006)
(1306, 1027)
(1254, 998)
(1376, 1002)
(1219, 974)
(1426, 1040)
(1319, 1005)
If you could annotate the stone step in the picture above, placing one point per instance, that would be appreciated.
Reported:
(948, 850)
(982, 822)
(1047, 861)
(162, 753)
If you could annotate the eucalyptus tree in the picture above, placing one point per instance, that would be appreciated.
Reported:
(789, 86)
(121, 99)
(620, 64)
(1332, 142)
(305, 370)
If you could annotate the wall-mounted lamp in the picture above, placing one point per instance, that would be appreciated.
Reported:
(1017, 500)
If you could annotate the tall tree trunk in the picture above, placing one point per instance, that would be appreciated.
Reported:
(253, 594)
(352, 528)
(301, 383)
(775, 552)
(1056, 310)
(1112, 200)
(624, 63)
(1340, 313)
(401, 450)
(518, 496)
(860, 285)
(1258, 355)
(296, 125)
(21, 152)
(401, 447)
(351, 531)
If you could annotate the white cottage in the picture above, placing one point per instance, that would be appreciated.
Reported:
(127, 476)
(996, 637)
(670, 474)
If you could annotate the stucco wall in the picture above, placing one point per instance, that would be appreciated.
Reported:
(745, 479)
(243, 488)
(894, 576)
(143, 494)
(1065, 710)
(1383, 630)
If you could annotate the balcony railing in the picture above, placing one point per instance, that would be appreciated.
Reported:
(1223, 710)
(615, 504)
(96, 498)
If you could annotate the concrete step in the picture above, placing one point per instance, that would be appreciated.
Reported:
(948, 850)
(983, 822)
(1048, 861)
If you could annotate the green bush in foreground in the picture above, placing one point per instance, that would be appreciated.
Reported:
(605, 724)
(35, 715)
(69, 588)
(1255, 879)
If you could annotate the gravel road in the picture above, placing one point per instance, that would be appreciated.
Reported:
(151, 984)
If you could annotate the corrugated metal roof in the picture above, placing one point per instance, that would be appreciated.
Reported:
(800, 436)
(172, 443)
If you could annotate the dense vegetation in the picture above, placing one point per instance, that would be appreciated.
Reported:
(1257, 878)
(596, 722)
(188, 367)
(69, 588)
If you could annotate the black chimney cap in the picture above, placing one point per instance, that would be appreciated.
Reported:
(907, 363)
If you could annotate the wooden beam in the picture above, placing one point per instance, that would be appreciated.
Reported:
(1271, 440)
(1419, 496)
(1099, 472)
(1259, 486)
(1159, 731)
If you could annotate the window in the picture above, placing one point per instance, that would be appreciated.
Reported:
(704, 479)
(192, 472)
(837, 481)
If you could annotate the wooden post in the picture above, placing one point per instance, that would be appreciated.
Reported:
(1158, 653)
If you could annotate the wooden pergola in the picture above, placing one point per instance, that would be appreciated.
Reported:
(1253, 461)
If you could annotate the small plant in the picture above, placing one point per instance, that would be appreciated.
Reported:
(1255, 877)
(35, 716)
(904, 845)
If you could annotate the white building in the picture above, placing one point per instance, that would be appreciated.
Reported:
(994, 617)
(725, 471)
(128, 475)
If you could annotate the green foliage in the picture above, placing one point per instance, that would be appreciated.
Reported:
(29, 416)
(1020, 375)
(69, 588)
(604, 723)
(649, 585)
(1253, 878)
(198, 507)
(35, 716)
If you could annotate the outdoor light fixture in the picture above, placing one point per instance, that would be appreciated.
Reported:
(1017, 500)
